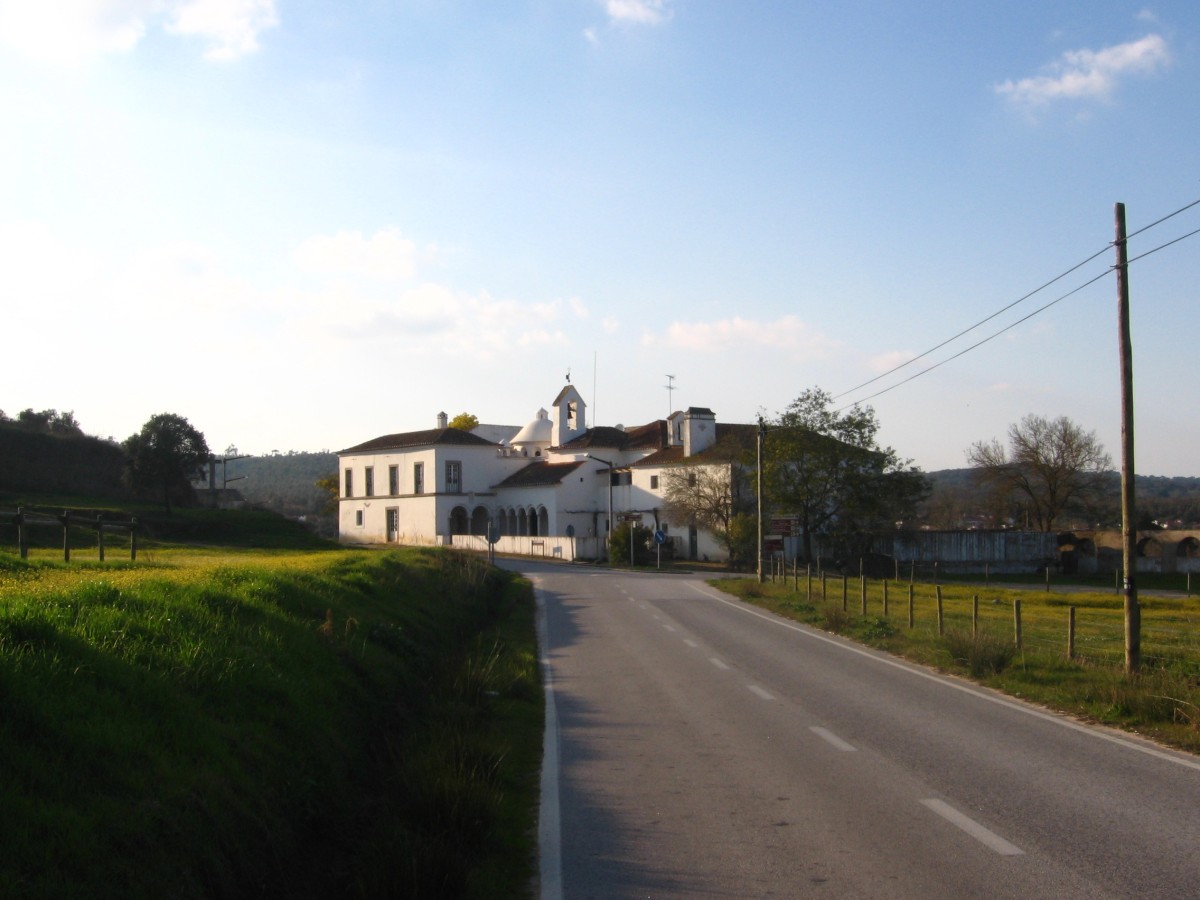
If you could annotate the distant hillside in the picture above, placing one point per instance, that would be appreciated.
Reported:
(1173, 501)
(283, 482)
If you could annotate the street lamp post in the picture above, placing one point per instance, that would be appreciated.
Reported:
(608, 531)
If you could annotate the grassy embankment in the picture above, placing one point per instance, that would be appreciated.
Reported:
(1162, 702)
(216, 722)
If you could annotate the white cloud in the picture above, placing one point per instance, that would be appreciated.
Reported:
(385, 255)
(69, 31)
(641, 12)
(73, 32)
(785, 333)
(1089, 74)
(885, 362)
(231, 26)
(610, 325)
(579, 307)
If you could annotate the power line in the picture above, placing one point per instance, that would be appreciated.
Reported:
(990, 337)
(976, 325)
(1004, 309)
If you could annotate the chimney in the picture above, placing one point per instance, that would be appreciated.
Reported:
(443, 420)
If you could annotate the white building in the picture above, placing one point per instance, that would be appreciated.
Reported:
(555, 488)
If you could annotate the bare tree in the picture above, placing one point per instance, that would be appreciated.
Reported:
(700, 495)
(1052, 465)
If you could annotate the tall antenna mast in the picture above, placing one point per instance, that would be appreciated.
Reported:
(670, 386)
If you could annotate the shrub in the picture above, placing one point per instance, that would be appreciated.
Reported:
(835, 619)
(982, 654)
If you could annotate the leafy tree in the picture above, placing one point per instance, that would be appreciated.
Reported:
(49, 421)
(827, 467)
(164, 457)
(331, 487)
(1051, 467)
(464, 421)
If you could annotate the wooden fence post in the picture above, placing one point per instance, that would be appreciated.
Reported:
(1070, 632)
(845, 594)
(66, 523)
(808, 581)
(910, 605)
(975, 615)
(22, 542)
(1017, 622)
(862, 589)
(100, 535)
(133, 539)
(824, 591)
(940, 619)
(885, 598)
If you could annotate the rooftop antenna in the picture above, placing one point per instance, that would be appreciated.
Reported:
(670, 386)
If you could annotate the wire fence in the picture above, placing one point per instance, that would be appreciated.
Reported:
(1085, 625)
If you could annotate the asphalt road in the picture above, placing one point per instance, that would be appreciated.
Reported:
(698, 747)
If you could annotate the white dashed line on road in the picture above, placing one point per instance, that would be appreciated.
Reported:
(973, 828)
(833, 739)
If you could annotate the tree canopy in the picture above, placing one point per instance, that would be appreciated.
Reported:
(1052, 466)
(164, 457)
(826, 467)
(47, 421)
(464, 421)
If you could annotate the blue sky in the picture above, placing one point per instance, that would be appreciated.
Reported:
(304, 224)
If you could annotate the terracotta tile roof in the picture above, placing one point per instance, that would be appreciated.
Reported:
(428, 438)
(650, 436)
(665, 457)
(540, 473)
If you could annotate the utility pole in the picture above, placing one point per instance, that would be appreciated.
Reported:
(1133, 613)
(762, 436)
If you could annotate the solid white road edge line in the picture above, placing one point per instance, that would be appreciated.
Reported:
(549, 810)
(973, 828)
(716, 662)
(759, 692)
(1179, 760)
(833, 739)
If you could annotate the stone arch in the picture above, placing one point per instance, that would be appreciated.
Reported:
(522, 522)
(1149, 548)
(512, 521)
(479, 520)
(1188, 548)
(459, 523)
(543, 520)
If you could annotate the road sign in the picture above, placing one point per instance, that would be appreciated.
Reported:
(660, 536)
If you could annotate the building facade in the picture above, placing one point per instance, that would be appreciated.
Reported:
(556, 485)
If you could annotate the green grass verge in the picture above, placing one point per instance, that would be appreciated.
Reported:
(1162, 701)
(301, 724)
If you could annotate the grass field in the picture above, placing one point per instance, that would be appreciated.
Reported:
(977, 637)
(225, 721)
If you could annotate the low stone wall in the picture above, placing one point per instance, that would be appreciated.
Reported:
(557, 547)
